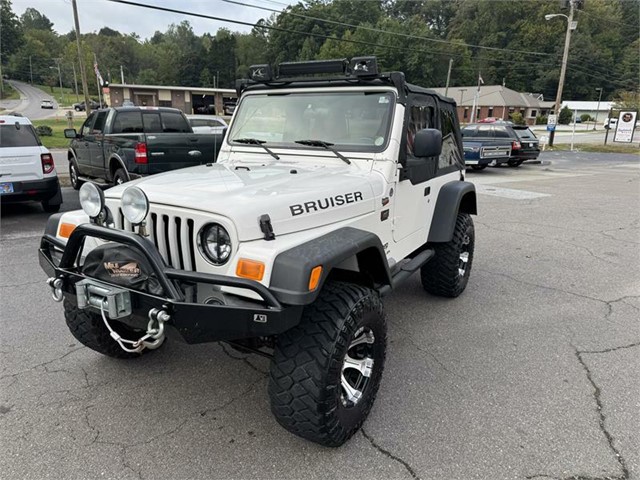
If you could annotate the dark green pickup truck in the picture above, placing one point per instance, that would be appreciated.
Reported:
(120, 144)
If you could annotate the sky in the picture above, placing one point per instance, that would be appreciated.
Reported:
(95, 14)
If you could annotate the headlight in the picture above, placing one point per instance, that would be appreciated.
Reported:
(135, 205)
(215, 243)
(91, 199)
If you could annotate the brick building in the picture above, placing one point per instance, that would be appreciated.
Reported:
(497, 101)
(188, 99)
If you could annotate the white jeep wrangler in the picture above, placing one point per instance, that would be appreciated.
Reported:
(330, 190)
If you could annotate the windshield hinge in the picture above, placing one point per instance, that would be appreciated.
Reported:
(266, 227)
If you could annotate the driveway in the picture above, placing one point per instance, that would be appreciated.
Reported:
(29, 103)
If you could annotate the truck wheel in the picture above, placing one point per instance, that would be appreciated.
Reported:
(515, 163)
(89, 329)
(447, 274)
(49, 207)
(74, 175)
(478, 167)
(120, 177)
(326, 371)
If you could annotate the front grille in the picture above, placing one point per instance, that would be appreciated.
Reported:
(173, 236)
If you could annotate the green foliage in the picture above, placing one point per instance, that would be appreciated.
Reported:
(565, 117)
(10, 31)
(44, 130)
(585, 117)
(32, 19)
(517, 118)
(541, 120)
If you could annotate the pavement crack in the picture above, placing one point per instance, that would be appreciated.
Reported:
(608, 350)
(387, 453)
(602, 422)
(243, 359)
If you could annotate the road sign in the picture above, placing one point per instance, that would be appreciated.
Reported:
(625, 127)
(551, 123)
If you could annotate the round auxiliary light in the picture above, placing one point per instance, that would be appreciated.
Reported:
(135, 205)
(91, 199)
(215, 243)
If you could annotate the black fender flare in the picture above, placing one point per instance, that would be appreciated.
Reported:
(292, 268)
(117, 158)
(454, 197)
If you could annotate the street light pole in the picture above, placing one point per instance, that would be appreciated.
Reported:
(565, 56)
(597, 109)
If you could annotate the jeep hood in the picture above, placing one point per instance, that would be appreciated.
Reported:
(295, 197)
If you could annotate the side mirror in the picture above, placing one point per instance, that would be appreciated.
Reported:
(70, 133)
(427, 143)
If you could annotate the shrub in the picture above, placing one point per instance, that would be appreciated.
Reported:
(585, 117)
(44, 131)
(541, 120)
(565, 117)
(517, 118)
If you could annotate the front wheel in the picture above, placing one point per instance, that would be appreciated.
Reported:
(74, 175)
(447, 273)
(325, 372)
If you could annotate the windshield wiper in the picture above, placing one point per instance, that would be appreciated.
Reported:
(326, 146)
(255, 141)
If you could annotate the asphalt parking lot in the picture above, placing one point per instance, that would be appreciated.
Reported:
(531, 374)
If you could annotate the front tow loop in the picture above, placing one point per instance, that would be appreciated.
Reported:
(56, 288)
(152, 339)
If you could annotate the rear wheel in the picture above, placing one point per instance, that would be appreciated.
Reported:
(50, 207)
(515, 163)
(447, 273)
(120, 177)
(325, 372)
(478, 167)
(74, 175)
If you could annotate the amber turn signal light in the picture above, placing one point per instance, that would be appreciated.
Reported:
(250, 269)
(314, 278)
(66, 229)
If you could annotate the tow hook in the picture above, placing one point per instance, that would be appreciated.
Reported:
(56, 288)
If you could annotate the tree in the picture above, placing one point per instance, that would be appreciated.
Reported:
(10, 31)
(32, 19)
(565, 117)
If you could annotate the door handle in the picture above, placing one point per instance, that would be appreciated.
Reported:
(194, 140)
(195, 153)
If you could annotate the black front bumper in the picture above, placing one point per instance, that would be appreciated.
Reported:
(194, 322)
(34, 190)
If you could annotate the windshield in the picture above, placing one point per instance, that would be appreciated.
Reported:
(351, 121)
(12, 136)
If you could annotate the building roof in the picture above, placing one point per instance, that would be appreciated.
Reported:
(587, 106)
(169, 87)
(494, 96)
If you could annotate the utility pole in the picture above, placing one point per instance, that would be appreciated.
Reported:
(597, 109)
(58, 60)
(75, 79)
(83, 72)
(446, 89)
(95, 63)
(565, 56)
(122, 75)
(30, 70)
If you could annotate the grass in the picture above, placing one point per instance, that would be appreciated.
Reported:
(10, 93)
(57, 140)
(69, 94)
(597, 148)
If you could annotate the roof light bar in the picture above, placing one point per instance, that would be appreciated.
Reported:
(310, 68)
(260, 73)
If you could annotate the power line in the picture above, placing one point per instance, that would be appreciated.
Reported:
(377, 30)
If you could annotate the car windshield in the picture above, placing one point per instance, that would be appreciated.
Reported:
(24, 136)
(350, 121)
(525, 133)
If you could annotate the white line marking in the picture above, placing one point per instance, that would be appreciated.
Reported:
(509, 193)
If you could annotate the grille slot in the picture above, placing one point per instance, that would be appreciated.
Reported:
(173, 236)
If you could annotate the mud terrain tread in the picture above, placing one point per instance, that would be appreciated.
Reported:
(302, 399)
(88, 328)
(440, 275)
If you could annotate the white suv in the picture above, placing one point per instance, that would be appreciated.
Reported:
(27, 172)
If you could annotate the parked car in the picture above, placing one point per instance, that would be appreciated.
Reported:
(481, 149)
(27, 171)
(46, 104)
(610, 123)
(229, 107)
(120, 144)
(524, 145)
(207, 124)
(80, 107)
(128, 103)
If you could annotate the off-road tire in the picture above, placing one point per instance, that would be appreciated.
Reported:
(120, 176)
(307, 367)
(74, 175)
(478, 167)
(50, 207)
(441, 275)
(515, 163)
(89, 329)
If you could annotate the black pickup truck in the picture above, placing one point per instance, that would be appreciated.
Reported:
(120, 144)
